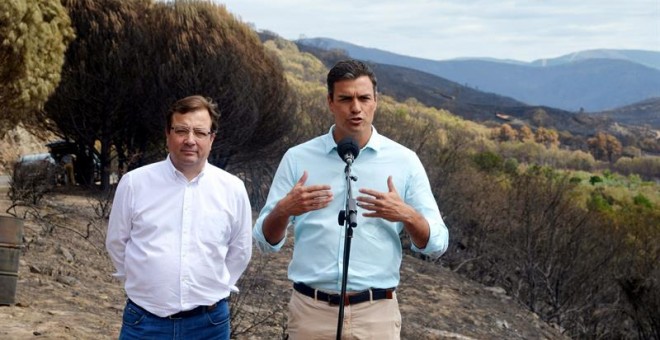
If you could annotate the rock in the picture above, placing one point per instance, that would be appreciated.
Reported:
(67, 280)
(496, 290)
(67, 254)
(448, 335)
(502, 324)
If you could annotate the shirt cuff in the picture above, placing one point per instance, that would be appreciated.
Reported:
(119, 276)
(263, 245)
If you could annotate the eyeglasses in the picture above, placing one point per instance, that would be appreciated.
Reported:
(184, 131)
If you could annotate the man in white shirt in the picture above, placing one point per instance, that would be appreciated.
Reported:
(179, 234)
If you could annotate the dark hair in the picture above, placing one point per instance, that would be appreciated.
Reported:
(349, 69)
(194, 103)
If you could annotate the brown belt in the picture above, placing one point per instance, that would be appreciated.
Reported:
(334, 299)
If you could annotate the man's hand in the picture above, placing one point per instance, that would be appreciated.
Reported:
(389, 206)
(302, 199)
(299, 200)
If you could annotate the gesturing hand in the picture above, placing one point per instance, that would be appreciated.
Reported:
(387, 205)
(302, 199)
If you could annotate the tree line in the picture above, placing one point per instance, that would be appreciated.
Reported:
(131, 59)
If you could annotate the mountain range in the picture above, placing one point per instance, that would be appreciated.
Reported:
(402, 83)
(588, 81)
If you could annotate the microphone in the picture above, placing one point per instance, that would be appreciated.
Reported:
(348, 150)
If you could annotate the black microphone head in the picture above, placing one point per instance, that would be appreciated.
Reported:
(348, 148)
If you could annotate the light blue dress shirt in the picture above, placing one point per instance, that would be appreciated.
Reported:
(375, 254)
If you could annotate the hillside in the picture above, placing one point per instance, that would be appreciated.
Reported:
(644, 112)
(65, 289)
(589, 85)
(589, 81)
(402, 83)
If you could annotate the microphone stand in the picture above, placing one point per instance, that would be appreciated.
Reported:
(347, 218)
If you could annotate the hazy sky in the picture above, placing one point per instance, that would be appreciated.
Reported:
(523, 30)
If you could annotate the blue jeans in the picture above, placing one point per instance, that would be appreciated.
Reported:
(137, 323)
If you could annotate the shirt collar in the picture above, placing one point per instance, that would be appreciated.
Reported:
(178, 174)
(374, 142)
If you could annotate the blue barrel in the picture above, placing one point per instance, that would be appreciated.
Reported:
(11, 240)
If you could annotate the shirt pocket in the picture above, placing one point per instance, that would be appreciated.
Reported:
(215, 229)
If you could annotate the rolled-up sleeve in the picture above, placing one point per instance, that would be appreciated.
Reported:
(258, 235)
(283, 181)
(420, 197)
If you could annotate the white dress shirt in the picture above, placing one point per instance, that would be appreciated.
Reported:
(179, 244)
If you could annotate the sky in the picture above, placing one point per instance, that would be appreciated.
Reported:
(524, 30)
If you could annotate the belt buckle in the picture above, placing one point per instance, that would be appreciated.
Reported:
(175, 316)
(334, 300)
(194, 311)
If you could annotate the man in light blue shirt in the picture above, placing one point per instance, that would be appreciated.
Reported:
(309, 190)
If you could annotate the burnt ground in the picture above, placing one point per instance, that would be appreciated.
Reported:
(65, 289)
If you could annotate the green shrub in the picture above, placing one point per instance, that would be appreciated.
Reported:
(488, 161)
(598, 202)
(642, 201)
